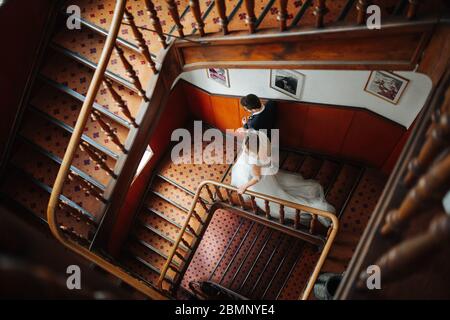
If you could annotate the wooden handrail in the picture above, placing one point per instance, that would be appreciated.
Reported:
(70, 153)
(329, 241)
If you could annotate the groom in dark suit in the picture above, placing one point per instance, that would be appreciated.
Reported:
(262, 116)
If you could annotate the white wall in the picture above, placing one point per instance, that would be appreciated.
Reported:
(337, 87)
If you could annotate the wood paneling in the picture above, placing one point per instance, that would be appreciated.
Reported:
(392, 48)
(226, 112)
(370, 139)
(291, 120)
(199, 103)
(326, 128)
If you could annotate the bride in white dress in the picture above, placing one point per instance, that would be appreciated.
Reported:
(254, 170)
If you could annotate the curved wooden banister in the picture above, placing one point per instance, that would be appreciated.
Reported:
(74, 142)
(207, 184)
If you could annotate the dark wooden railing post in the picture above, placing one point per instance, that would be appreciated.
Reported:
(143, 48)
(195, 9)
(267, 208)
(131, 73)
(297, 219)
(430, 184)
(121, 104)
(218, 192)
(436, 141)
(312, 226)
(173, 10)
(361, 7)
(254, 206)
(97, 117)
(281, 214)
(320, 11)
(94, 156)
(229, 196)
(251, 17)
(222, 11)
(154, 20)
(210, 194)
(283, 14)
(412, 9)
(202, 203)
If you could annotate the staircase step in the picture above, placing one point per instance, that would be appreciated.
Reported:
(45, 170)
(54, 139)
(67, 109)
(165, 210)
(77, 77)
(310, 167)
(342, 187)
(175, 196)
(327, 173)
(35, 199)
(88, 44)
(165, 227)
(100, 13)
(145, 251)
(292, 162)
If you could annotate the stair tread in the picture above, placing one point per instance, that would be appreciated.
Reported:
(176, 195)
(77, 77)
(35, 199)
(100, 13)
(67, 109)
(138, 249)
(89, 45)
(310, 167)
(54, 139)
(341, 188)
(153, 239)
(45, 170)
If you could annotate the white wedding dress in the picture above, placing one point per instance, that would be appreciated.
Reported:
(283, 185)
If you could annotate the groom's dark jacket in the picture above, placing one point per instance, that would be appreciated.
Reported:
(263, 120)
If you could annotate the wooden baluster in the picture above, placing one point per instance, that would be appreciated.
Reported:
(397, 261)
(154, 20)
(241, 201)
(430, 184)
(312, 225)
(438, 139)
(320, 11)
(222, 11)
(137, 34)
(74, 213)
(267, 208)
(254, 206)
(78, 237)
(251, 17)
(229, 196)
(281, 214)
(203, 204)
(361, 7)
(191, 230)
(195, 9)
(297, 219)
(180, 256)
(173, 10)
(197, 216)
(412, 9)
(131, 73)
(173, 268)
(186, 244)
(94, 156)
(97, 117)
(210, 194)
(218, 192)
(282, 15)
(86, 186)
(121, 104)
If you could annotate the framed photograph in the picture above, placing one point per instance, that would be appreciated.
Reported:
(386, 85)
(219, 75)
(288, 82)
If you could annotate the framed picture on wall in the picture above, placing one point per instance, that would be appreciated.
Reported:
(219, 75)
(289, 82)
(386, 85)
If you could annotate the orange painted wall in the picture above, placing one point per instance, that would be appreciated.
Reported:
(351, 133)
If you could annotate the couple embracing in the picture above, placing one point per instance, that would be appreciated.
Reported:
(256, 168)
